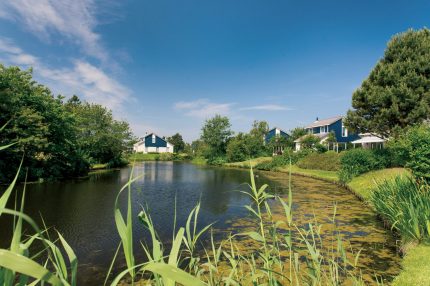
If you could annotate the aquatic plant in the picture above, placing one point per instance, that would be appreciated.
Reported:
(405, 203)
(280, 252)
(18, 266)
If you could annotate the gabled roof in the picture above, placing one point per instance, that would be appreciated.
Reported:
(152, 133)
(276, 128)
(324, 122)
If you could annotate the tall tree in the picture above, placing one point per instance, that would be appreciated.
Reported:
(178, 142)
(39, 125)
(397, 92)
(215, 133)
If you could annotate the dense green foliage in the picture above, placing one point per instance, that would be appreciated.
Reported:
(419, 152)
(41, 128)
(328, 161)
(245, 146)
(397, 92)
(289, 156)
(57, 139)
(215, 134)
(405, 203)
(411, 149)
(103, 139)
(358, 161)
(309, 141)
(177, 141)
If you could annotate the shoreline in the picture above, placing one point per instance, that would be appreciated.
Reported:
(415, 257)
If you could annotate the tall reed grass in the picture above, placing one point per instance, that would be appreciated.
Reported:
(405, 203)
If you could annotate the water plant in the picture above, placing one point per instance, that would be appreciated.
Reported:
(278, 251)
(405, 203)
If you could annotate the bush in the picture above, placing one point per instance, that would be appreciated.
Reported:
(166, 157)
(217, 161)
(360, 161)
(406, 205)
(329, 161)
(419, 152)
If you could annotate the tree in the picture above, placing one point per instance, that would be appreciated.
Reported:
(238, 148)
(309, 141)
(215, 133)
(40, 126)
(255, 139)
(295, 134)
(178, 142)
(397, 92)
(104, 139)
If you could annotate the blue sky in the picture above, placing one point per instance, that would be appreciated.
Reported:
(166, 66)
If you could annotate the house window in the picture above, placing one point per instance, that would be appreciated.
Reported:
(153, 139)
(324, 129)
(344, 131)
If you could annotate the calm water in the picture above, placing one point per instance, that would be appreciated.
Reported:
(83, 210)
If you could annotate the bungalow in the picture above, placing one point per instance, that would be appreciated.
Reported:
(152, 143)
(276, 133)
(323, 128)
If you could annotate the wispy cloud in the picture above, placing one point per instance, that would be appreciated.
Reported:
(73, 19)
(266, 107)
(203, 108)
(81, 77)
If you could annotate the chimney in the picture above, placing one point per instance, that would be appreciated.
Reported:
(317, 119)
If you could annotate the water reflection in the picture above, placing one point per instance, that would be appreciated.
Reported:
(82, 210)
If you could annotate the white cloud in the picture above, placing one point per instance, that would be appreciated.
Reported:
(74, 19)
(203, 108)
(266, 107)
(81, 78)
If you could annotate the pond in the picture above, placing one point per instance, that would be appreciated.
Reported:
(82, 211)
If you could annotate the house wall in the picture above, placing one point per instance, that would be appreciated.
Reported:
(272, 133)
(160, 145)
(337, 129)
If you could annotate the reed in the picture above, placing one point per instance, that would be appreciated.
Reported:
(405, 203)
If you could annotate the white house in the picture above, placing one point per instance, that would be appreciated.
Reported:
(152, 143)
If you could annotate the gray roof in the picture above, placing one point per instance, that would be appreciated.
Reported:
(324, 122)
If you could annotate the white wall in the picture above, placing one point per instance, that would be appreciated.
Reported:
(141, 148)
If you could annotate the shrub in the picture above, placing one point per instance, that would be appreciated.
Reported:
(329, 161)
(217, 161)
(360, 161)
(419, 152)
(166, 157)
(406, 205)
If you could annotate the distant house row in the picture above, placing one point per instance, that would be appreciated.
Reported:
(322, 129)
(152, 143)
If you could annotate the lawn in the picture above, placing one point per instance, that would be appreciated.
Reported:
(248, 163)
(136, 157)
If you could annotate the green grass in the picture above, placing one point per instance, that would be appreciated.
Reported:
(363, 184)
(136, 157)
(416, 267)
(320, 174)
(99, 167)
(248, 163)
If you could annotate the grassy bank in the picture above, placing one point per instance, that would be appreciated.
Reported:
(416, 263)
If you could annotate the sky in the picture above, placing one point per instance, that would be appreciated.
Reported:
(167, 66)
